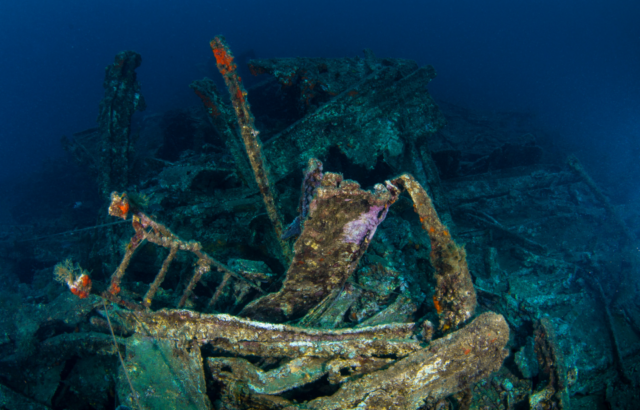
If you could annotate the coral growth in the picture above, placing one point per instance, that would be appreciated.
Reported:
(76, 278)
(148, 229)
(455, 296)
(250, 137)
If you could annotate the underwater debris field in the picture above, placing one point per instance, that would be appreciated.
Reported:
(342, 242)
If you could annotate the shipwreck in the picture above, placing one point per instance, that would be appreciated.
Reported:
(332, 245)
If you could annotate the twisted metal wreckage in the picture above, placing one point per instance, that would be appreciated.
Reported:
(381, 359)
(390, 365)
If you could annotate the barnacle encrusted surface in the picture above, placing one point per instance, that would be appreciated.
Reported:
(247, 337)
(341, 222)
(444, 367)
(455, 296)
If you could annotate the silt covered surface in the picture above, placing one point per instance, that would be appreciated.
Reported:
(545, 252)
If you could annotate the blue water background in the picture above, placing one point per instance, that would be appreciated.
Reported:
(575, 63)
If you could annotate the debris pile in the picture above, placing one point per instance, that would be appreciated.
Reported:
(461, 269)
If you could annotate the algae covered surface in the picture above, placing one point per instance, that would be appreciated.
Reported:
(329, 238)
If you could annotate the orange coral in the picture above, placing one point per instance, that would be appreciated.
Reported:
(239, 95)
(74, 277)
(79, 293)
(124, 208)
(114, 289)
(119, 205)
(437, 304)
(223, 59)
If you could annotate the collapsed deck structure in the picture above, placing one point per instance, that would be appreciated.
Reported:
(260, 274)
